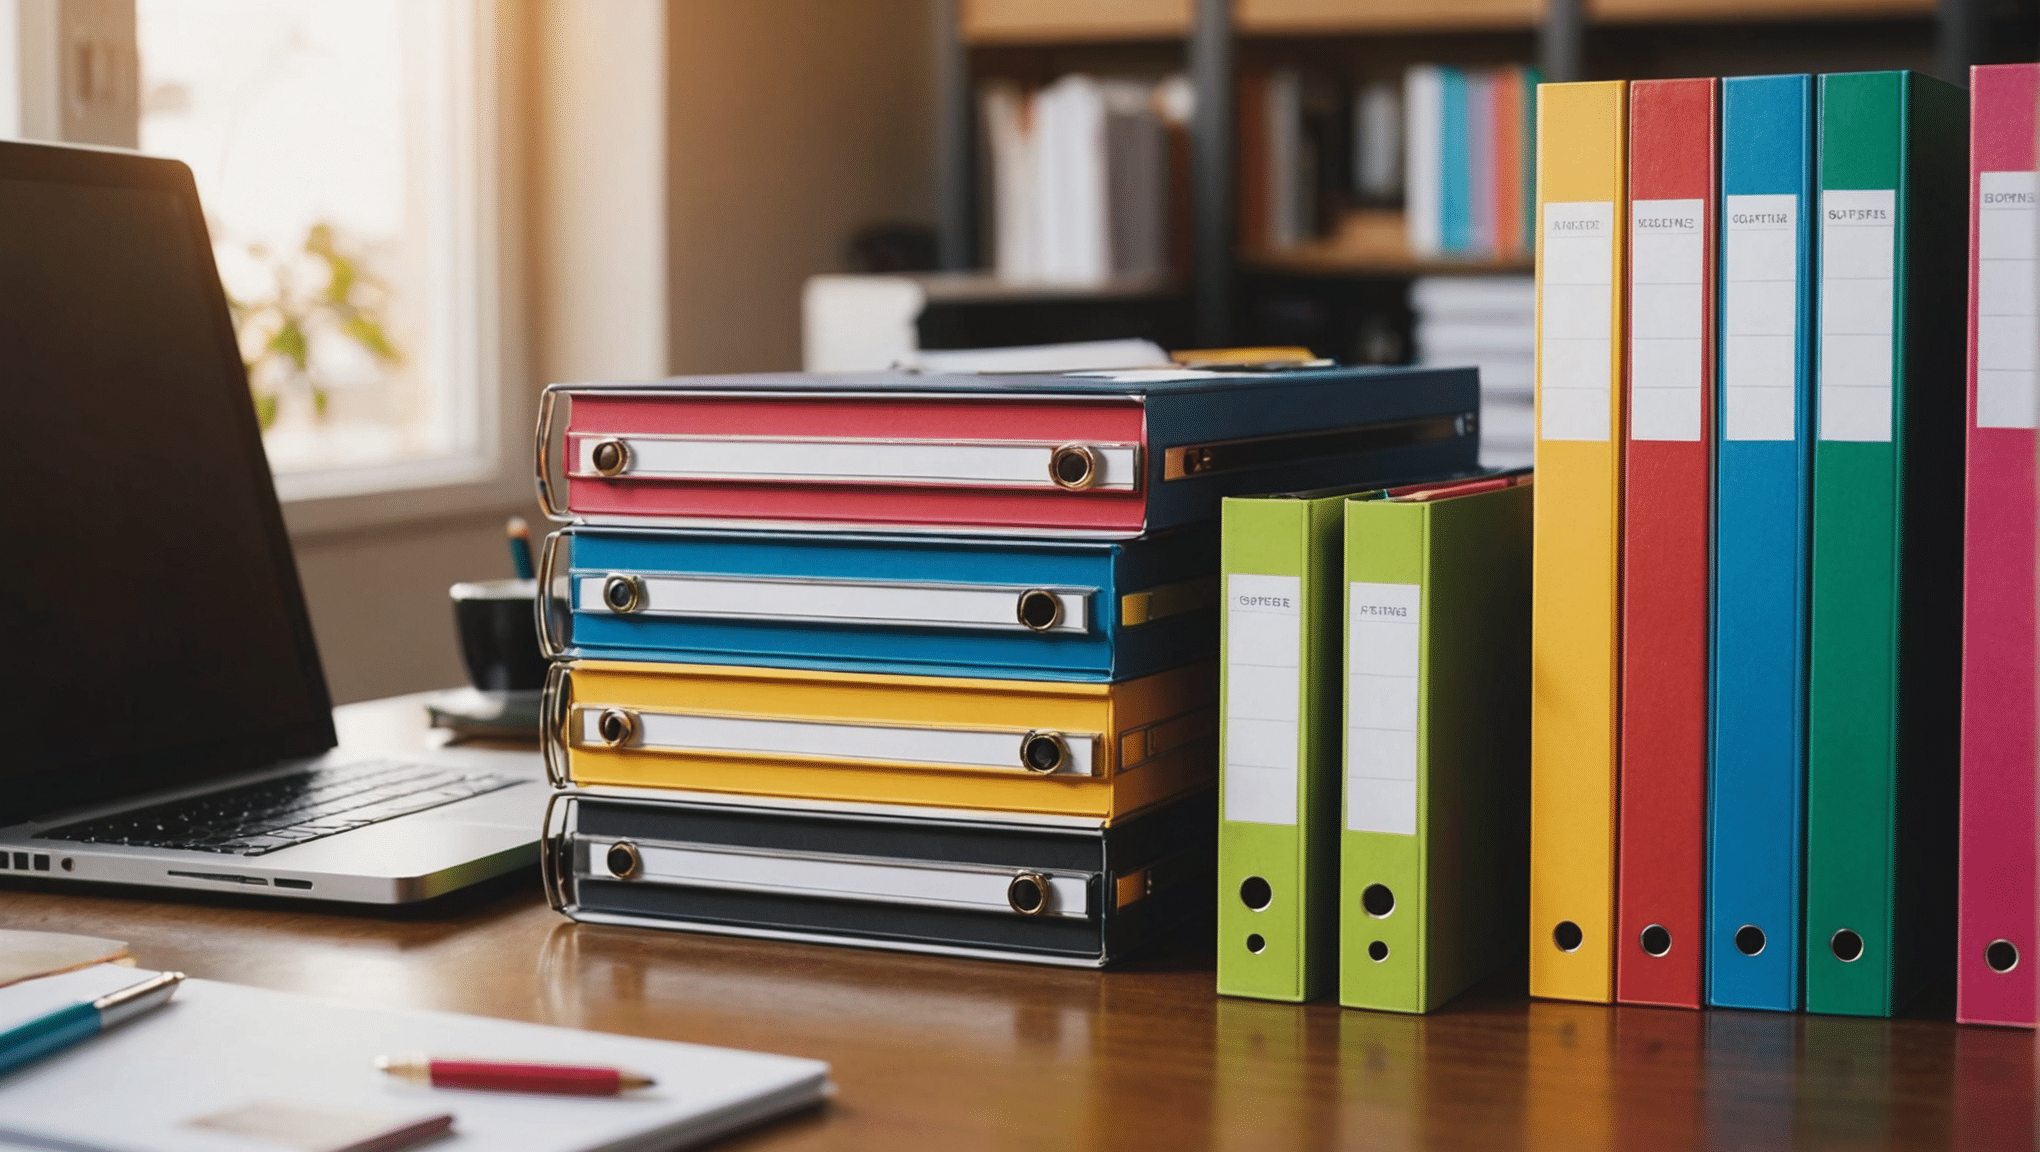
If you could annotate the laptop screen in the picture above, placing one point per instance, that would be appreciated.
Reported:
(156, 631)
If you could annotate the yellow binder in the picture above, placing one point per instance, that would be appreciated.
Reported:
(1073, 749)
(1582, 139)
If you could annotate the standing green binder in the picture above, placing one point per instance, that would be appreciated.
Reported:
(1279, 784)
(1883, 703)
(1434, 851)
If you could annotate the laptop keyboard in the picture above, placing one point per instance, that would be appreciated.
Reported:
(255, 819)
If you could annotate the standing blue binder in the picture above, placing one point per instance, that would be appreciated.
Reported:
(1455, 195)
(1073, 610)
(1763, 478)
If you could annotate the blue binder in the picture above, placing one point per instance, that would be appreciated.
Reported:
(1763, 477)
(1456, 176)
(1008, 609)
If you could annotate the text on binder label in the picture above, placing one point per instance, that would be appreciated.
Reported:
(1858, 237)
(1760, 317)
(1668, 249)
(2007, 313)
(1263, 692)
(1576, 321)
(1383, 677)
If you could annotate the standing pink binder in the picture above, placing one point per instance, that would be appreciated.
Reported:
(2000, 879)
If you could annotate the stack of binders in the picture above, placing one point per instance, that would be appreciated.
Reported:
(917, 661)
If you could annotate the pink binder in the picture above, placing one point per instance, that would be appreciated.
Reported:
(1996, 959)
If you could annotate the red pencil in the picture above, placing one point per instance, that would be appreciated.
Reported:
(491, 1076)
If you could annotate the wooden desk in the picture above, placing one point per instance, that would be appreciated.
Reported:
(960, 1054)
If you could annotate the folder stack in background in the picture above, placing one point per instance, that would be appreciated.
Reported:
(913, 660)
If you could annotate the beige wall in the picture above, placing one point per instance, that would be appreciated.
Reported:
(791, 123)
(670, 238)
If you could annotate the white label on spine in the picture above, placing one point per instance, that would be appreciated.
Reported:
(841, 601)
(1760, 317)
(1668, 249)
(2007, 318)
(1385, 623)
(985, 464)
(879, 743)
(1263, 691)
(1575, 321)
(1858, 237)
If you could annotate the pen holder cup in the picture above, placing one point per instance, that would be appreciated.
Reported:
(499, 634)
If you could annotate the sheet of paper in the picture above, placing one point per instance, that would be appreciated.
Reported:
(219, 1047)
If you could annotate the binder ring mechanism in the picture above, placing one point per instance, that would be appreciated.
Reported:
(624, 861)
(1038, 610)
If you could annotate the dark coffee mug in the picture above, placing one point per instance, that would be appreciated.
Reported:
(499, 634)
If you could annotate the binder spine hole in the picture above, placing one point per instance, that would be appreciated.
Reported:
(1256, 944)
(1073, 466)
(1655, 940)
(611, 457)
(1749, 940)
(623, 860)
(1846, 945)
(623, 593)
(1038, 610)
(615, 726)
(1043, 752)
(2001, 955)
(1255, 893)
(1378, 900)
(1568, 936)
(1377, 951)
(1027, 894)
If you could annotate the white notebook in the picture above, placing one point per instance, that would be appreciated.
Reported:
(222, 1048)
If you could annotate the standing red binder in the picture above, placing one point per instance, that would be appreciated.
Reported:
(1661, 855)
(1995, 910)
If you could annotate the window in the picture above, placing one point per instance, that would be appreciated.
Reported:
(344, 152)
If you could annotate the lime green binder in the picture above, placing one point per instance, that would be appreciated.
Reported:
(1434, 852)
(1279, 730)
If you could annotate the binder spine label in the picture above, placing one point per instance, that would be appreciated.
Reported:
(869, 603)
(2007, 313)
(1575, 332)
(1264, 656)
(1760, 316)
(874, 743)
(1858, 230)
(984, 464)
(1383, 676)
(1667, 250)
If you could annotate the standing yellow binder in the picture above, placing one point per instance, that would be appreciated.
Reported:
(1582, 139)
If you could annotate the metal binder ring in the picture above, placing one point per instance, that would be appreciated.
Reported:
(624, 861)
(1074, 467)
(611, 457)
(621, 593)
(1027, 894)
(1039, 610)
(615, 726)
(1043, 752)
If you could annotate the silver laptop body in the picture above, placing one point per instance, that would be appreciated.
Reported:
(160, 647)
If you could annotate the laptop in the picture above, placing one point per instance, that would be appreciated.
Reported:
(166, 719)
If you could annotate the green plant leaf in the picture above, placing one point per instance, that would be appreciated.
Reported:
(370, 335)
(289, 341)
(319, 400)
(265, 409)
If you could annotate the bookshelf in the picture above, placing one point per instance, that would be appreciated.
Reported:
(1569, 39)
